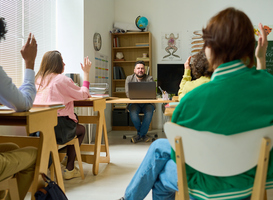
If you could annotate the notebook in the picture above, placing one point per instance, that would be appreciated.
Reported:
(142, 90)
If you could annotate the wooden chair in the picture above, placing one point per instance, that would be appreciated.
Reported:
(229, 155)
(74, 142)
(175, 98)
(10, 184)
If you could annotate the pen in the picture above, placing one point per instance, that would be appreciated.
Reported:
(161, 90)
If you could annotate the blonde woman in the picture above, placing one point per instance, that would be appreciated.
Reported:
(53, 86)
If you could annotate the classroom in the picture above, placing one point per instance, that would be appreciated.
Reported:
(71, 27)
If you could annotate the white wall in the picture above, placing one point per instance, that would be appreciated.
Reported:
(99, 17)
(77, 21)
(70, 33)
(184, 16)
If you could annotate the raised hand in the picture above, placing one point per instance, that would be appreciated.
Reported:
(87, 65)
(29, 51)
(187, 63)
(86, 68)
(261, 48)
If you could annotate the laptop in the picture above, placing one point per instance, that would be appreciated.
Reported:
(142, 90)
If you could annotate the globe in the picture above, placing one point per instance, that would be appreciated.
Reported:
(141, 22)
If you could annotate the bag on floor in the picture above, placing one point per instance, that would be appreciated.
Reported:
(51, 192)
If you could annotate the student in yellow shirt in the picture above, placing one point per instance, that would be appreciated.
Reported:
(200, 71)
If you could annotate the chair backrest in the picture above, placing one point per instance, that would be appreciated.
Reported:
(217, 154)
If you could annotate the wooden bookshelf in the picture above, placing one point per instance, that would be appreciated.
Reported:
(126, 43)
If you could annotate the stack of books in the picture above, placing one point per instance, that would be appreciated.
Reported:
(99, 89)
(116, 42)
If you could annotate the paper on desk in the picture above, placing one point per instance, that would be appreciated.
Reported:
(5, 108)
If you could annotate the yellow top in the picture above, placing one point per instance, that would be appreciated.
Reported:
(187, 84)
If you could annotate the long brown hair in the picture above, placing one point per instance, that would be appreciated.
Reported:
(52, 63)
(230, 36)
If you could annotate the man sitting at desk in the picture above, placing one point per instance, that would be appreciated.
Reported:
(15, 160)
(136, 108)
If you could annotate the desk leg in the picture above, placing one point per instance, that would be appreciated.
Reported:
(100, 106)
(45, 122)
(106, 139)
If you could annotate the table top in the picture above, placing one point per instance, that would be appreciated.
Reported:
(31, 111)
(127, 100)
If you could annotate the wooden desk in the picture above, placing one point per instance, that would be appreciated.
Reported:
(127, 100)
(99, 105)
(169, 112)
(37, 119)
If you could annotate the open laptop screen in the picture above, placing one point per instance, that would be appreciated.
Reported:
(142, 90)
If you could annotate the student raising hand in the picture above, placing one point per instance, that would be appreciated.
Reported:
(86, 68)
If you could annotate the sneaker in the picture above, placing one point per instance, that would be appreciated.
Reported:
(71, 174)
(146, 138)
(136, 139)
(122, 198)
(64, 161)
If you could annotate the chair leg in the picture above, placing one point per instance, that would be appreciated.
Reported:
(78, 155)
(13, 191)
(51, 169)
(265, 195)
(261, 171)
(183, 193)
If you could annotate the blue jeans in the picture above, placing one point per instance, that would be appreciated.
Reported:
(148, 110)
(157, 172)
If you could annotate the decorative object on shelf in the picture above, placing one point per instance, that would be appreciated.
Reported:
(97, 41)
(141, 23)
(119, 55)
(143, 59)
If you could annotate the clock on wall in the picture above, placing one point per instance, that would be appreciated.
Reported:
(97, 41)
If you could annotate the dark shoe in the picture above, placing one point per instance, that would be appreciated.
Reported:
(136, 139)
(147, 138)
(122, 198)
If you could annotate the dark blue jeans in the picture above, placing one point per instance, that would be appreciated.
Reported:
(147, 109)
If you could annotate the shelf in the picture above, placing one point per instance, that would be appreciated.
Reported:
(119, 80)
(132, 47)
(130, 33)
(130, 61)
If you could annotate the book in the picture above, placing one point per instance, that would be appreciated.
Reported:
(122, 73)
(47, 105)
(116, 72)
(99, 95)
(173, 104)
(147, 70)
